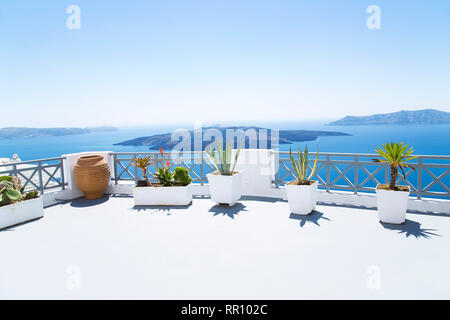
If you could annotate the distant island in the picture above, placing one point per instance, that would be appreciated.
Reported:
(426, 116)
(25, 133)
(164, 141)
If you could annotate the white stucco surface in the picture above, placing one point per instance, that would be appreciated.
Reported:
(256, 250)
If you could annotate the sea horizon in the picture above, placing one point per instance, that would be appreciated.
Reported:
(425, 139)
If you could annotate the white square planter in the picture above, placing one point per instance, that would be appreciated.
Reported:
(225, 189)
(392, 205)
(163, 196)
(302, 199)
(20, 212)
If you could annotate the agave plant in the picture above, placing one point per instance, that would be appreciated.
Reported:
(223, 160)
(396, 155)
(143, 163)
(301, 167)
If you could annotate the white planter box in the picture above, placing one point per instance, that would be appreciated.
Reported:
(392, 205)
(163, 196)
(225, 189)
(20, 212)
(302, 199)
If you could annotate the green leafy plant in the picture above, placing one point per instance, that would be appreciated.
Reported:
(164, 174)
(396, 155)
(181, 176)
(11, 191)
(223, 160)
(165, 177)
(143, 163)
(300, 166)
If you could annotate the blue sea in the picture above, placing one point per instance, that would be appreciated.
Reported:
(426, 140)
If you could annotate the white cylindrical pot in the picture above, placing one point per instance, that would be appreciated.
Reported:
(225, 189)
(163, 196)
(302, 199)
(392, 205)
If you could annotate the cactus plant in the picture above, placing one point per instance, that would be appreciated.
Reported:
(181, 176)
(11, 191)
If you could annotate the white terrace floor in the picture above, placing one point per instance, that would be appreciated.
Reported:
(253, 251)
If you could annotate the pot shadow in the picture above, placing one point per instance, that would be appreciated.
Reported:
(84, 203)
(226, 210)
(411, 228)
(160, 209)
(313, 217)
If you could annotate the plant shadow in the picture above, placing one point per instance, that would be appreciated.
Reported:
(411, 228)
(313, 217)
(226, 210)
(168, 210)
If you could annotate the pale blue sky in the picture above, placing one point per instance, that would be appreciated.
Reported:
(141, 62)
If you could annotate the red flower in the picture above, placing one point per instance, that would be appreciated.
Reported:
(168, 163)
(161, 150)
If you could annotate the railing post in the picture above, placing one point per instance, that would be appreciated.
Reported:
(61, 168)
(386, 174)
(41, 183)
(419, 178)
(327, 166)
(355, 180)
(277, 168)
(14, 171)
(135, 169)
(202, 172)
(116, 179)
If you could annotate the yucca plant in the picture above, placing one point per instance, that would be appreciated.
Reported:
(396, 155)
(143, 163)
(300, 166)
(223, 160)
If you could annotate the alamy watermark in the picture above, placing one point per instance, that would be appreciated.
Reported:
(374, 20)
(73, 22)
(373, 280)
(73, 280)
(187, 143)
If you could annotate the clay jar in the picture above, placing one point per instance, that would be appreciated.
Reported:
(92, 176)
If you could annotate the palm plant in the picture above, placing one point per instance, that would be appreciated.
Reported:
(143, 163)
(396, 155)
(301, 167)
(223, 160)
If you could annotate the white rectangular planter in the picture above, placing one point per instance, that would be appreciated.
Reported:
(225, 189)
(392, 205)
(163, 196)
(302, 199)
(20, 212)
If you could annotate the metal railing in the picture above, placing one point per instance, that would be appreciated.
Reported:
(195, 162)
(429, 175)
(43, 175)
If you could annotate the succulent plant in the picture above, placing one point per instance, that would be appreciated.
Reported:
(301, 167)
(165, 177)
(181, 176)
(143, 163)
(223, 160)
(11, 191)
